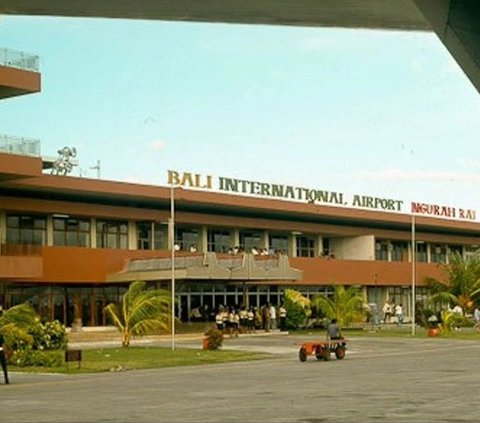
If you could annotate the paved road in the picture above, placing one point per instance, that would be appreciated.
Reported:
(392, 380)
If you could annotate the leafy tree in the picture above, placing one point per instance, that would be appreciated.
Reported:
(461, 285)
(346, 305)
(142, 311)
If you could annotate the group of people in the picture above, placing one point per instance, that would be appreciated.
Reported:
(390, 310)
(256, 251)
(235, 320)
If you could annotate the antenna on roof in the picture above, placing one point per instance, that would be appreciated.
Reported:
(97, 167)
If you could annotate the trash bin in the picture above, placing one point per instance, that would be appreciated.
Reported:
(433, 329)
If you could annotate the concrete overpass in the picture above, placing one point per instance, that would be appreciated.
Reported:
(456, 22)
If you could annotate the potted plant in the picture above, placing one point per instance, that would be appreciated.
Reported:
(213, 339)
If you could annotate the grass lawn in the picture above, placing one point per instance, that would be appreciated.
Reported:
(110, 359)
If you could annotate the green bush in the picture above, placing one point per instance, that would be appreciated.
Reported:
(42, 345)
(215, 339)
(296, 315)
(49, 336)
(298, 309)
(30, 357)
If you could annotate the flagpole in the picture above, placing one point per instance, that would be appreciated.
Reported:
(414, 271)
(172, 248)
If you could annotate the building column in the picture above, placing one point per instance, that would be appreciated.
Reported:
(3, 227)
(49, 230)
(319, 246)
(236, 237)
(203, 240)
(132, 236)
(292, 245)
(264, 240)
(93, 232)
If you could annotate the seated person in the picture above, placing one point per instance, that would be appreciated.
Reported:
(333, 331)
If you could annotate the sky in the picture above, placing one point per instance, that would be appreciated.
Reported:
(380, 113)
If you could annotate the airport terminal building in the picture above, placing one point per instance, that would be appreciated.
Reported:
(70, 245)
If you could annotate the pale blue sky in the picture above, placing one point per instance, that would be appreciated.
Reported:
(385, 114)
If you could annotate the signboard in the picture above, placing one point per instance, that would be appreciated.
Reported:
(315, 196)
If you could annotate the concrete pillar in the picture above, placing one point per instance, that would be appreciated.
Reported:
(203, 240)
(49, 228)
(319, 246)
(93, 232)
(3, 227)
(292, 245)
(132, 236)
(264, 241)
(236, 237)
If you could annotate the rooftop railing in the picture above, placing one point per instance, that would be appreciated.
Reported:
(18, 145)
(19, 59)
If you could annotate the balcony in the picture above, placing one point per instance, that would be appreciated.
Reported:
(19, 73)
(19, 145)
(20, 262)
(19, 60)
(19, 158)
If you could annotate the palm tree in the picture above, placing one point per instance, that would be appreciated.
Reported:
(141, 312)
(21, 317)
(346, 305)
(461, 285)
(17, 322)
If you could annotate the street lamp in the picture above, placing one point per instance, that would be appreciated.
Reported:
(172, 249)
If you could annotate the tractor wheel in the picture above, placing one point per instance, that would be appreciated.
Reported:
(302, 354)
(340, 352)
(326, 354)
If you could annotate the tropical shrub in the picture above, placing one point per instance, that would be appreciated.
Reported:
(49, 336)
(32, 343)
(214, 339)
(422, 314)
(451, 321)
(31, 357)
(298, 309)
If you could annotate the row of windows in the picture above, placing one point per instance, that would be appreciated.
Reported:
(398, 251)
(71, 231)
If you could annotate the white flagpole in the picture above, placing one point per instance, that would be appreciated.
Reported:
(414, 271)
(172, 247)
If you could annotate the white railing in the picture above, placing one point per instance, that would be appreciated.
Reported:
(19, 59)
(18, 145)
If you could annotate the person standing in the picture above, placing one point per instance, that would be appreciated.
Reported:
(266, 317)
(399, 313)
(387, 312)
(3, 359)
(273, 317)
(476, 317)
(282, 311)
